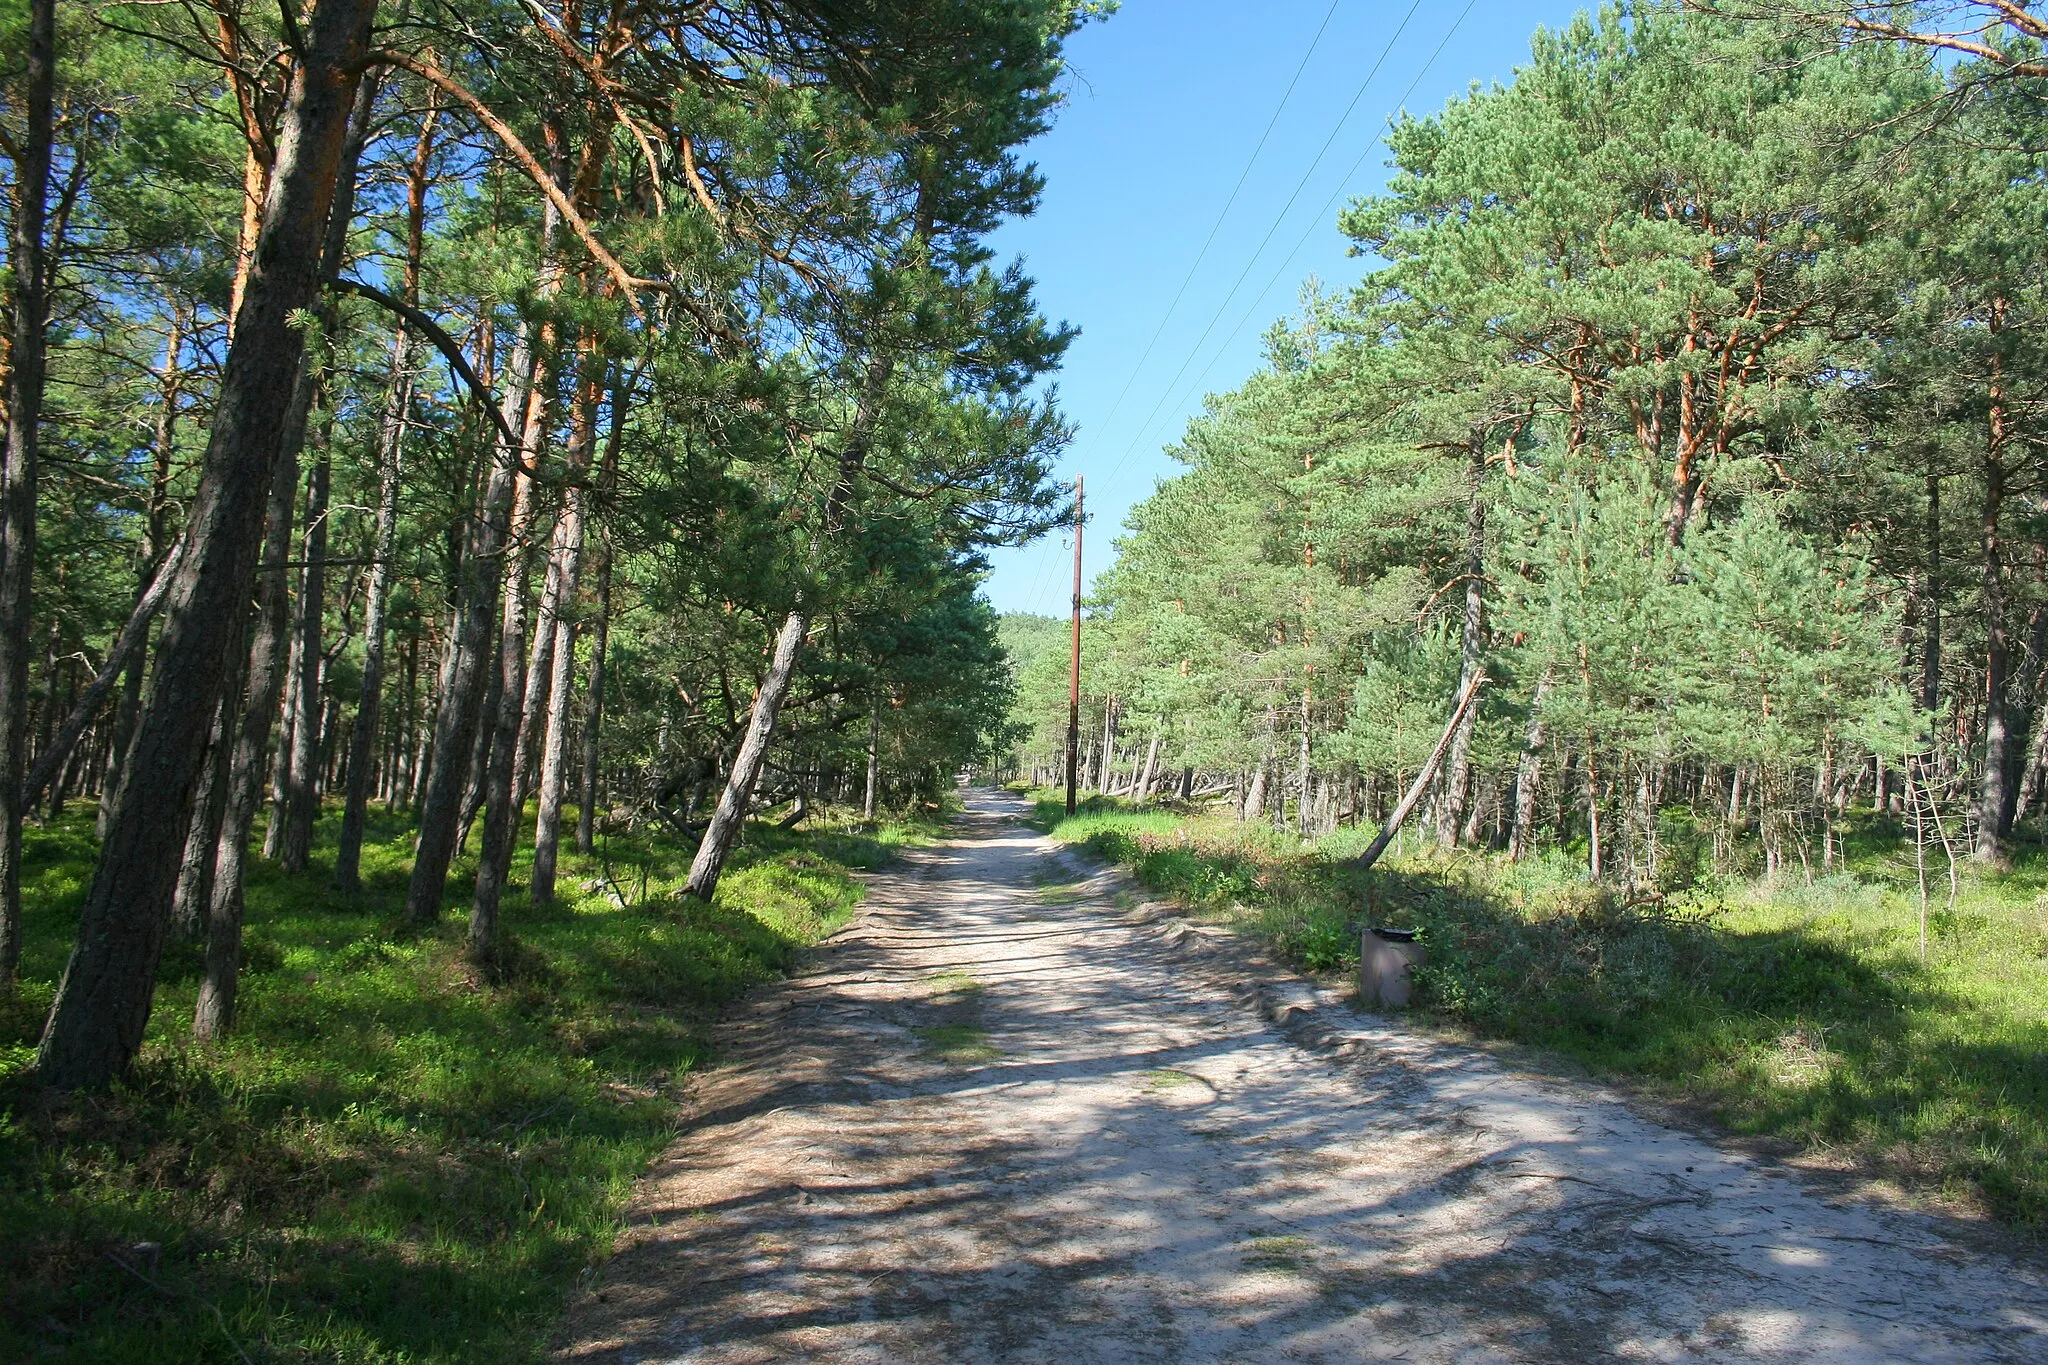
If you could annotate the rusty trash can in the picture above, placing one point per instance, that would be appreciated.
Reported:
(1385, 958)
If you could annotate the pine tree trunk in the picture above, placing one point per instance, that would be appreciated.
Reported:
(348, 854)
(301, 770)
(494, 859)
(1992, 806)
(556, 619)
(867, 805)
(468, 676)
(1529, 775)
(593, 704)
(1930, 639)
(262, 661)
(102, 1008)
(731, 812)
(1458, 774)
(202, 833)
(1151, 769)
(281, 758)
(539, 671)
(229, 852)
(18, 471)
(554, 766)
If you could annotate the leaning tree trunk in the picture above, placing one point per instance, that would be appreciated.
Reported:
(1457, 790)
(731, 812)
(18, 472)
(102, 1007)
(202, 832)
(1151, 769)
(1372, 853)
(746, 765)
(155, 546)
(348, 853)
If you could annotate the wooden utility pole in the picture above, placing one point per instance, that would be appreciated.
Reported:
(1074, 663)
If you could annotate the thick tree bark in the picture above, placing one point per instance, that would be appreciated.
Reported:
(18, 471)
(348, 854)
(229, 853)
(103, 1002)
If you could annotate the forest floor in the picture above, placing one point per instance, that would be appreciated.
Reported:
(390, 1161)
(1015, 1112)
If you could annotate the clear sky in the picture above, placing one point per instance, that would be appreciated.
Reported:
(1167, 102)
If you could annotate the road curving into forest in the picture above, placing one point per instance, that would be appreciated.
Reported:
(1013, 1114)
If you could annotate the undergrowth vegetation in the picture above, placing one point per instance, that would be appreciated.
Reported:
(1801, 1012)
(389, 1160)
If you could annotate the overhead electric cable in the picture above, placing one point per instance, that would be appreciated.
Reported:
(1195, 265)
(1278, 218)
(1329, 203)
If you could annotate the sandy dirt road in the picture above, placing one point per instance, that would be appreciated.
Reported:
(1010, 1115)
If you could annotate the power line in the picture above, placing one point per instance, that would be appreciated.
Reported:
(1323, 213)
(1278, 218)
(1217, 226)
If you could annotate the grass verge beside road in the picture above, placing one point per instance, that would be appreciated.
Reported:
(1801, 1013)
(390, 1160)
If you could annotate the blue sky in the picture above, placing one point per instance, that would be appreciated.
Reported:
(1166, 104)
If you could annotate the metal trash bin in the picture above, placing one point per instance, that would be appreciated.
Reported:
(1385, 958)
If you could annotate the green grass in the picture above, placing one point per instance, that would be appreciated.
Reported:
(389, 1161)
(1800, 1013)
(957, 1044)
